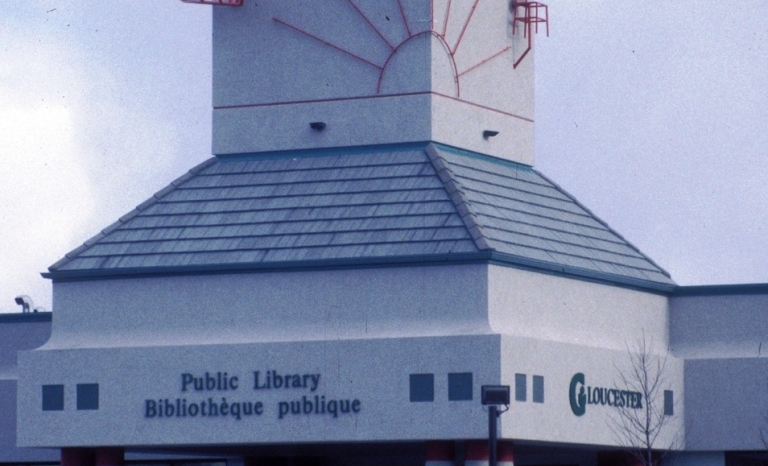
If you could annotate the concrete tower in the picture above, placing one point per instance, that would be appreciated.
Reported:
(374, 72)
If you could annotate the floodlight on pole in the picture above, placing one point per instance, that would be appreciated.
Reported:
(494, 396)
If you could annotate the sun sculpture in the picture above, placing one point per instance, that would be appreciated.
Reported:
(448, 24)
(397, 24)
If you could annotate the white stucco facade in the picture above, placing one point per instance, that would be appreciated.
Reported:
(721, 337)
(362, 333)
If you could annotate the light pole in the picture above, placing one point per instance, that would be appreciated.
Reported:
(494, 396)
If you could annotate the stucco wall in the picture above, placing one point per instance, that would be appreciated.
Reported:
(18, 332)
(559, 309)
(275, 306)
(373, 376)
(726, 403)
(366, 331)
(722, 332)
(719, 326)
(554, 419)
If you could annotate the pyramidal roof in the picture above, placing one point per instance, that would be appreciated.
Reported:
(398, 204)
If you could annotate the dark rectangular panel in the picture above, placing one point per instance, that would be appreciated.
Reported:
(538, 389)
(87, 396)
(669, 403)
(521, 393)
(422, 387)
(460, 386)
(53, 397)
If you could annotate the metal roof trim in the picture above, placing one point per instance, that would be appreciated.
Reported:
(489, 257)
(197, 168)
(484, 157)
(25, 317)
(326, 264)
(323, 152)
(455, 191)
(581, 274)
(722, 290)
(94, 239)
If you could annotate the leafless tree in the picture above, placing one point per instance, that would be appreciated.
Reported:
(638, 428)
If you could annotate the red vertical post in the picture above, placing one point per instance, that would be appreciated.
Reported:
(111, 456)
(440, 453)
(476, 453)
(504, 453)
(78, 457)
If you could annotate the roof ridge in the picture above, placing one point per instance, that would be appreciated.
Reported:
(629, 243)
(125, 218)
(456, 192)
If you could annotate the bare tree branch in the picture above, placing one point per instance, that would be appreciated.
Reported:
(638, 428)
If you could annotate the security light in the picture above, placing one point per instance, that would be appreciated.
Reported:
(25, 302)
(489, 133)
(317, 125)
(494, 394)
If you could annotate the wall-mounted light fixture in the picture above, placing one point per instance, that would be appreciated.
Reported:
(489, 133)
(317, 125)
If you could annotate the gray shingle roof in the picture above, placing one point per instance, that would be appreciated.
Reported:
(323, 208)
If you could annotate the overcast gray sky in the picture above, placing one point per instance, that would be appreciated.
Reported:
(654, 115)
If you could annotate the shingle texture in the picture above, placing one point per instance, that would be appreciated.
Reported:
(324, 207)
(528, 217)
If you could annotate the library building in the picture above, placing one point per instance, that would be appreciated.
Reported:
(368, 252)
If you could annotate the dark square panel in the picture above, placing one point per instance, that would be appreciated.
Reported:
(87, 396)
(422, 387)
(460, 386)
(53, 397)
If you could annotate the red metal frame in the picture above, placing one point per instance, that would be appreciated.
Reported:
(530, 14)
(216, 2)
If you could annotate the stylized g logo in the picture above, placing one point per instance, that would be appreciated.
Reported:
(577, 396)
